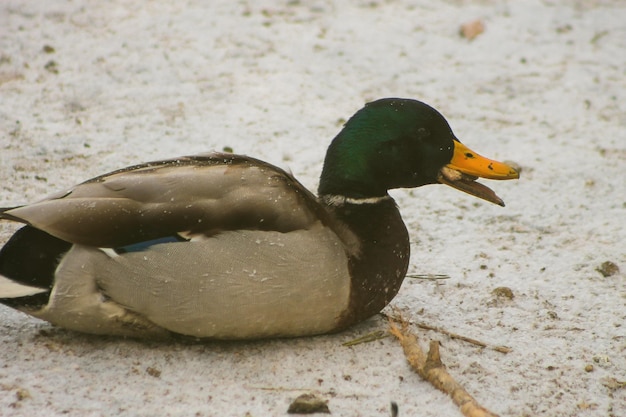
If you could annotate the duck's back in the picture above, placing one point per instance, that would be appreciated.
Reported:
(203, 194)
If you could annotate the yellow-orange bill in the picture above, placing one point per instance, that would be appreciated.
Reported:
(466, 166)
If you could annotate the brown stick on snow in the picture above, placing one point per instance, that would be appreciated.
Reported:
(430, 368)
(501, 349)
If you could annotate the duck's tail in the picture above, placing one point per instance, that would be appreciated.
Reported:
(27, 264)
(5, 216)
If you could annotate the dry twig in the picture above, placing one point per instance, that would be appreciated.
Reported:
(397, 317)
(431, 369)
(370, 337)
(501, 349)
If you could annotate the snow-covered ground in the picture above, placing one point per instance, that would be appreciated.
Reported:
(90, 86)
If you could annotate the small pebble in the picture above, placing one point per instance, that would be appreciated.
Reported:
(503, 292)
(472, 29)
(52, 67)
(308, 404)
(22, 394)
(608, 269)
(153, 372)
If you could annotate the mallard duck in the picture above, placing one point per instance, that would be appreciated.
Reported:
(226, 246)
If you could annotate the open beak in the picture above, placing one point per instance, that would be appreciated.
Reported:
(466, 166)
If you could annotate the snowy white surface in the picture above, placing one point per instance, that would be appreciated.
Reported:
(543, 86)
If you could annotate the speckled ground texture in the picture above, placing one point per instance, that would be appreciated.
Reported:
(90, 86)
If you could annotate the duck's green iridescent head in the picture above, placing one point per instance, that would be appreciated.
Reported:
(403, 143)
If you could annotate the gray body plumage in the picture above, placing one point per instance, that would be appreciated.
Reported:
(259, 260)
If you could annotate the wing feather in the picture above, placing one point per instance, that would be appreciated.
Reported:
(203, 194)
